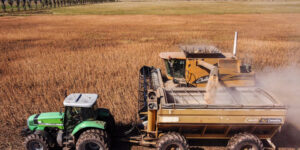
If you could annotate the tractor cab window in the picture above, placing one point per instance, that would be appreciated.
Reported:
(87, 113)
(73, 112)
(95, 107)
(75, 115)
(72, 117)
(80, 113)
(175, 68)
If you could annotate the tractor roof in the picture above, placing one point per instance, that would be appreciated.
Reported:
(80, 100)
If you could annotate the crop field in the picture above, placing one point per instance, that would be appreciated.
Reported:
(41, 56)
(166, 7)
(182, 8)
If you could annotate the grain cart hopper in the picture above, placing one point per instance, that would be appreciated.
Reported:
(209, 95)
(81, 125)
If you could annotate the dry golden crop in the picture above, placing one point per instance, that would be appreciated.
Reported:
(42, 56)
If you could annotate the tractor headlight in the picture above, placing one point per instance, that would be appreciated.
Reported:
(30, 121)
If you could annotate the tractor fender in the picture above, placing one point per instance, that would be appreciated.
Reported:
(88, 124)
(59, 138)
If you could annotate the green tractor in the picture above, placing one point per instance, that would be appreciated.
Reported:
(82, 125)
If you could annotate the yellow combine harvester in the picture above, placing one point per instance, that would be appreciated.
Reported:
(194, 65)
(208, 95)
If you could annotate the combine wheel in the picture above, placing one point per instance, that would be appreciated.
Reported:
(92, 140)
(36, 142)
(244, 141)
(172, 141)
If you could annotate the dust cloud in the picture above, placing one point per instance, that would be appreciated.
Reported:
(284, 85)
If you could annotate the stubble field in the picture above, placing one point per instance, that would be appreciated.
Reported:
(42, 56)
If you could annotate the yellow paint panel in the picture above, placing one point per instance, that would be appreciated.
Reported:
(223, 112)
(220, 119)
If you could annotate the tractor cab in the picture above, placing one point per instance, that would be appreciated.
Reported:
(79, 107)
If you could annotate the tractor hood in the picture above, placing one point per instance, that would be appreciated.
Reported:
(42, 120)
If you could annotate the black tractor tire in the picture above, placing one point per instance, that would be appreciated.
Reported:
(101, 133)
(243, 141)
(172, 140)
(92, 140)
(95, 131)
(110, 124)
(36, 142)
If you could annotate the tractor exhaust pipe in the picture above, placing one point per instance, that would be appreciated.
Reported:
(235, 43)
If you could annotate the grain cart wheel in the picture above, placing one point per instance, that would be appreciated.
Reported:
(36, 142)
(92, 140)
(244, 141)
(172, 141)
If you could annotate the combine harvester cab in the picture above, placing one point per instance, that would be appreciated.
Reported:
(208, 95)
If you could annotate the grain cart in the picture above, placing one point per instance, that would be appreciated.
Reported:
(246, 116)
(208, 95)
(81, 125)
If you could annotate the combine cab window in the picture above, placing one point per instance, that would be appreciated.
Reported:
(175, 68)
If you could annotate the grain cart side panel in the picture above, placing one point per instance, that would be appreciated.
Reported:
(239, 110)
(222, 112)
(221, 123)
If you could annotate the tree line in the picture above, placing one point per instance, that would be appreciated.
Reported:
(40, 4)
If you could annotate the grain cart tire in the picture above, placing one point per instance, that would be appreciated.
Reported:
(92, 140)
(36, 142)
(171, 141)
(243, 141)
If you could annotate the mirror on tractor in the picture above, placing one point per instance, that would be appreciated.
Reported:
(66, 93)
(61, 109)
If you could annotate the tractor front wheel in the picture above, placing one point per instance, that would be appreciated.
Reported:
(91, 141)
(36, 142)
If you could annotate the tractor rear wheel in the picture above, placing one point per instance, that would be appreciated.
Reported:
(172, 141)
(36, 142)
(92, 140)
(244, 141)
(101, 133)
